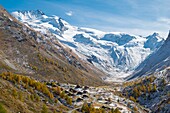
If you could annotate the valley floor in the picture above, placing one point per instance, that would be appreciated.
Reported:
(32, 97)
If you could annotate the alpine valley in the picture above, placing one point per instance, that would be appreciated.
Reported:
(48, 65)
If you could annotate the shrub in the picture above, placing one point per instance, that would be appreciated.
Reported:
(62, 95)
(15, 93)
(85, 108)
(154, 87)
(56, 100)
(133, 99)
(69, 101)
(32, 97)
(2, 109)
(135, 109)
(44, 109)
(20, 96)
(117, 110)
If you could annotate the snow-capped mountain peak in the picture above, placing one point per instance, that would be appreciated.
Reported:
(152, 41)
(157, 61)
(156, 36)
(27, 15)
(115, 53)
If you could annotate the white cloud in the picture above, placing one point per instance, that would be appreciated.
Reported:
(164, 20)
(141, 20)
(138, 26)
(69, 13)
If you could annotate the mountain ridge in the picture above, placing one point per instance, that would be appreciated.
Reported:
(157, 61)
(112, 52)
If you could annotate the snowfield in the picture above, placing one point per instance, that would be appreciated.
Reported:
(117, 54)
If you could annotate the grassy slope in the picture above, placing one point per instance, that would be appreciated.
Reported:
(14, 105)
(14, 98)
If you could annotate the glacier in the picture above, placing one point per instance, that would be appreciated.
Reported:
(116, 53)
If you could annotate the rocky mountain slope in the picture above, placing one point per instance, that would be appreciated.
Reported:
(155, 62)
(150, 82)
(117, 54)
(28, 52)
(152, 91)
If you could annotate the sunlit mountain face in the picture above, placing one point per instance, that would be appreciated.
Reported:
(116, 53)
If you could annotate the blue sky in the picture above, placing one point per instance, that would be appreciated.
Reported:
(141, 17)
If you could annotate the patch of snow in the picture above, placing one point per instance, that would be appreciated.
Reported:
(10, 64)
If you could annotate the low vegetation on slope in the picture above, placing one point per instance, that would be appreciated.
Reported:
(29, 95)
(152, 91)
(2, 109)
(24, 94)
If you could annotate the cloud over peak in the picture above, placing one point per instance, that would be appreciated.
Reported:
(69, 13)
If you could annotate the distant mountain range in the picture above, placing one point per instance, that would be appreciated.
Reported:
(117, 54)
